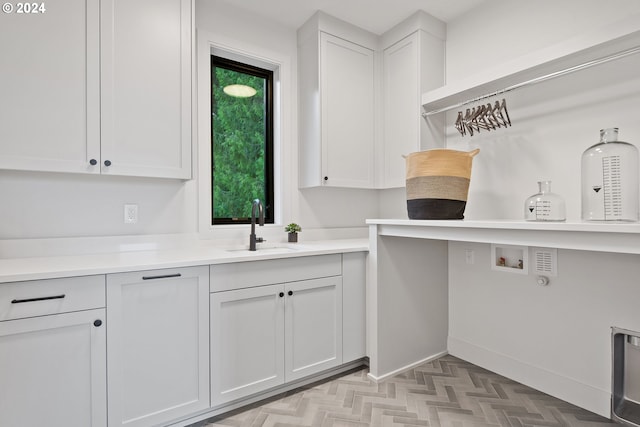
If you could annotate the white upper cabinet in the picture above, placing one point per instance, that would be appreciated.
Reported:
(146, 88)
(98, 87)
(337, 104)
(347, 105)
(401, 105)
(360, 99)
(49, 90)
(412, 64)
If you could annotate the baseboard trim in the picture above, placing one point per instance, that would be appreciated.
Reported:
(568, 389)
(249, 400)
(406, 368)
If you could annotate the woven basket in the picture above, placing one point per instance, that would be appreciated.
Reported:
(438, 183)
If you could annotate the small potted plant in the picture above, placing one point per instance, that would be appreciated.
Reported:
(293, 229)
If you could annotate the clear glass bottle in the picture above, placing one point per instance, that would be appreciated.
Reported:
(610, 179)
(545, 205)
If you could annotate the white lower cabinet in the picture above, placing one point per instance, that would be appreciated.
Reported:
(247, 342)
(354, 293)
(158, 345)
(313, 326)
(265, 335)
(52, 356)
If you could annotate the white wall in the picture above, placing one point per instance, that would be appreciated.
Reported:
(499, 30)
(555, 338)
(552, 122)
(43, 205)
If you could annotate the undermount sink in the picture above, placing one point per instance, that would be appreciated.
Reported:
(274, 248)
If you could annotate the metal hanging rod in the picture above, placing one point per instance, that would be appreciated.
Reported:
(540, 79)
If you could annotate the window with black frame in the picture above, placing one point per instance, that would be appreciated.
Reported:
(241, 141)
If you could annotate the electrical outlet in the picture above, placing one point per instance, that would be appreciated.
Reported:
(130, 214)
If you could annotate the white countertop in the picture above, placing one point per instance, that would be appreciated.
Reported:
(579, 235)
(47, 267)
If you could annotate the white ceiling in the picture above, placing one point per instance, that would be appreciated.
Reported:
(376, 16)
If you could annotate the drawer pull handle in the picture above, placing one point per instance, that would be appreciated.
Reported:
(20, 301)
(164, 276)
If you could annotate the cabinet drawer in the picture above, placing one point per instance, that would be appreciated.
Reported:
(226, 277)
(41, 297)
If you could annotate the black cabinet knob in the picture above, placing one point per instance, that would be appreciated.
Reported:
(107, 162)
(93, 162)
(97, 323)
(281, 294)
(290, 293)
(326, 178)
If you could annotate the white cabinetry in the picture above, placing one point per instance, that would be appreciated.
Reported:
(158, 345)
(98, 87)
(275, 329)
(146, 87)
(346, 92)
(354, 283)
(313, 326)
(247, 342)
(53, 353)
(337, 104)
(411, 65)
(49, 90)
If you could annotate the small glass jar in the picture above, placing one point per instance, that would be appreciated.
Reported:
(545, 205)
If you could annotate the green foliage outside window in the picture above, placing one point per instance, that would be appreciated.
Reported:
(239, 135)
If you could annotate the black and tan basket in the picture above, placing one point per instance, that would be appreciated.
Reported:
(438, 183)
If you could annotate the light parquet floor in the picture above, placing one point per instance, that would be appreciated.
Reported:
(447, 392)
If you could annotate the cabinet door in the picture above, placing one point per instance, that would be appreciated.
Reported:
(53, 371)
(347, 98)
(146, 87)
(313, 326)
(158, 345)
(401, 67)
(247, 342)
(49, 90)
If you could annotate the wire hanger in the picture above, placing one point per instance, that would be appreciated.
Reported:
(485, 117)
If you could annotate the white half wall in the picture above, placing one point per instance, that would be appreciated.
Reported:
(406, 303)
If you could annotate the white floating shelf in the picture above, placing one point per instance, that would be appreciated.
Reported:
(587, 236)
(601, 43)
